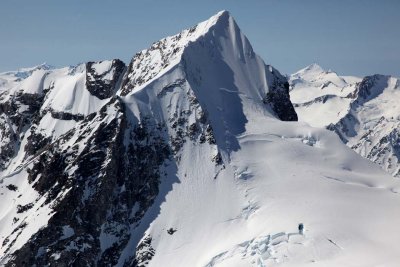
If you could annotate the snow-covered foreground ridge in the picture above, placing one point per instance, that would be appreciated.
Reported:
(363, 112)
(189, 156)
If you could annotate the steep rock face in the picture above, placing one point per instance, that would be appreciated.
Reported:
(362, 112)
(7, 138)
(41, 113)
(279, 97)
(93, 183)
(102, 77)
(19, 108)
(51, 176)
(97, 144)
(187, 163)
(369, 88)
(34, 102)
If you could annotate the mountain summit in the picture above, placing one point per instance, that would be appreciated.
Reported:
(189, 156)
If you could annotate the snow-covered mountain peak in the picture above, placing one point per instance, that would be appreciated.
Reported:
(218, 19)
(163, 55)
(315, 73)
(314, 82)
(181, 159)
(196, 55)
(312, 68)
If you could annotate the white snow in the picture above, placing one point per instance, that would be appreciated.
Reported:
(274, 175)
(70, 95)
(321, 97)
(33, 219)
(335, 193)
(372, 129)
(66, 93)
(102, 67)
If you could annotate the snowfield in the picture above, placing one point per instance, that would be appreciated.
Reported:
(216, 171)
(248, 215)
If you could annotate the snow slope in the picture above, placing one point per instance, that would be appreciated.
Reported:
(190, 156)
(364, 112)
(248, 215)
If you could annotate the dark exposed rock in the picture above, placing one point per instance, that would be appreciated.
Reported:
(50, 168)
(12, 187)
(66, 116)
(36, 142)
(209, 135)
(17, 113)
(144, 252)
(217, 159)
(7, 140)
(95, 202)
(193, 130)
(141, 69)
(367, 88)
(100, 84)
(171, 231)
(279, 99)
(21, 209)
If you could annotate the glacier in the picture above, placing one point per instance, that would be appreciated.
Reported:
(190, 155)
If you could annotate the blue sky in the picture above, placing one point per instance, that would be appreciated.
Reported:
(352, 37)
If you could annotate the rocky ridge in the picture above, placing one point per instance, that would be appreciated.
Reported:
(86, 151)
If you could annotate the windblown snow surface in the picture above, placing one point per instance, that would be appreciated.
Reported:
(236, 187)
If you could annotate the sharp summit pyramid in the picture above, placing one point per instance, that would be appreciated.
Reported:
(191, 155)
